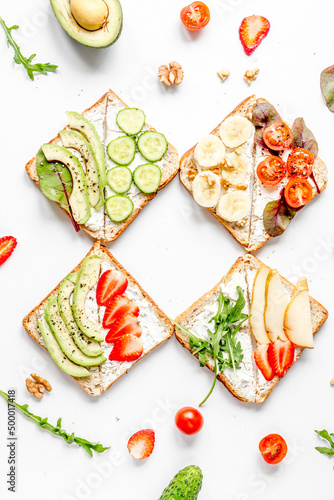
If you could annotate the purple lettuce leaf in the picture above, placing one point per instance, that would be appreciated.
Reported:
(327, 86)
(303, 137)
(277, 215)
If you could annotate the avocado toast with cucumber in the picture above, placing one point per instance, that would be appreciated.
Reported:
(104, 167)
(98, 322)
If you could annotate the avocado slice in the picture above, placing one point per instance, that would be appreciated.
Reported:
(58, 356)
(76, 141)
(86, 128)
(100, 38)
(88, 277)
(78, 199)
(86, 345)
(64, 338)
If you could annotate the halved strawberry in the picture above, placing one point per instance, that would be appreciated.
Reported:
(127, 348)
(7, 245)
(118, 307)
(141, 444)
(252, 31)
(281, 355)
(127, 325)
(110, 284)
(262, 361)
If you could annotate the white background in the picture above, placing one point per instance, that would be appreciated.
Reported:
(175, 249)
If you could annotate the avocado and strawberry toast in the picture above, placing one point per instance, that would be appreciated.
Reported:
(98, 322)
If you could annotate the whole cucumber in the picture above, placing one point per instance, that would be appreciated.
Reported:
(185, 485)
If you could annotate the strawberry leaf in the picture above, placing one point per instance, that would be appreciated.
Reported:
(327, 86)
(303, 137)
(277, 215)
(264, 114)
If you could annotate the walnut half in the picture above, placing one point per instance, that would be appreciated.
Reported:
(251, 74)
(38, 385)
(171, 74)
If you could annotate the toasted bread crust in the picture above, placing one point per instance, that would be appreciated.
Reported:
(30, 322)
(245, 263)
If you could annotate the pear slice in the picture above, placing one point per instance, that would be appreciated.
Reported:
(276, 301)
(297, 318)
(256, 319)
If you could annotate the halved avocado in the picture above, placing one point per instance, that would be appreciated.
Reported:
(100, 38)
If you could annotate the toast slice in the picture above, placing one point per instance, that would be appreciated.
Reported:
(103, 116)
(250, 386)
(250, 232)
(156, 328)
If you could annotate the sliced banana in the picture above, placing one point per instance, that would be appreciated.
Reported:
(206, 189)
(209, 152)
(234, 170)
(234, 206)
(235, 130)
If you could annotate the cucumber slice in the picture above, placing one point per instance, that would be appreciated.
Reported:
(119, 179)
(152, 145)
(122, 150)
(131, 120)
(119, 207)
(147, 177)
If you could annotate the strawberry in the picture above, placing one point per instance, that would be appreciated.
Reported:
(118, 307)
(7, 245)
(141, 444)
(252, 31)
(110, 284)
(127, 325)
(262, 361)
(281, 355)
(127, 348)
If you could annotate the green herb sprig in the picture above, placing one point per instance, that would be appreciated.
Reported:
(25, 61)
(330, 438)
(221, 345)
(57, 430)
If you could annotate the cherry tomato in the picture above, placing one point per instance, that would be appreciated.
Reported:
(298, 192)
(271, 170)
(189, 420)
(273, 448)
(300, 163)
(278, 136)
(195, 16)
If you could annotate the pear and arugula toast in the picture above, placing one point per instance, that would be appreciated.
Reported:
(250, 328)
(98, 322)
(254, 173)
(104, 167)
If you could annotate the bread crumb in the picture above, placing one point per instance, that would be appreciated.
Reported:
(332, 381)
(251, 74)
(223, 74)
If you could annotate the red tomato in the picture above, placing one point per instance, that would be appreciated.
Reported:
(300, 163)
(273, 448)
(298, 192)
(189, 420)
(271, 170)
(195, 16)
(278, 136)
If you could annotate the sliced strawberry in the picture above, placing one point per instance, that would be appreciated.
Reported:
(110, 284)
(127, 348)
(281, 355)
(141, 444)
(262, 361)
(252, 31)
(127, 325)
(118, 307)
(7, 245)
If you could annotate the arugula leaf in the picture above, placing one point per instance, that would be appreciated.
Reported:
(277, 215)
(221, 345)
(55, 181)
(57, 430)
(327, 87)
(330, 438)
(20, 59)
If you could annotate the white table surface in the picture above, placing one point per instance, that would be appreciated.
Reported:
(175, 249)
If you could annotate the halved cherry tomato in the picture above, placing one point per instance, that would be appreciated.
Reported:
(273, 448)
(195, 16)
(278, 136)
(298, 192)
(189, 420)
(271, 170)
(300, 163)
